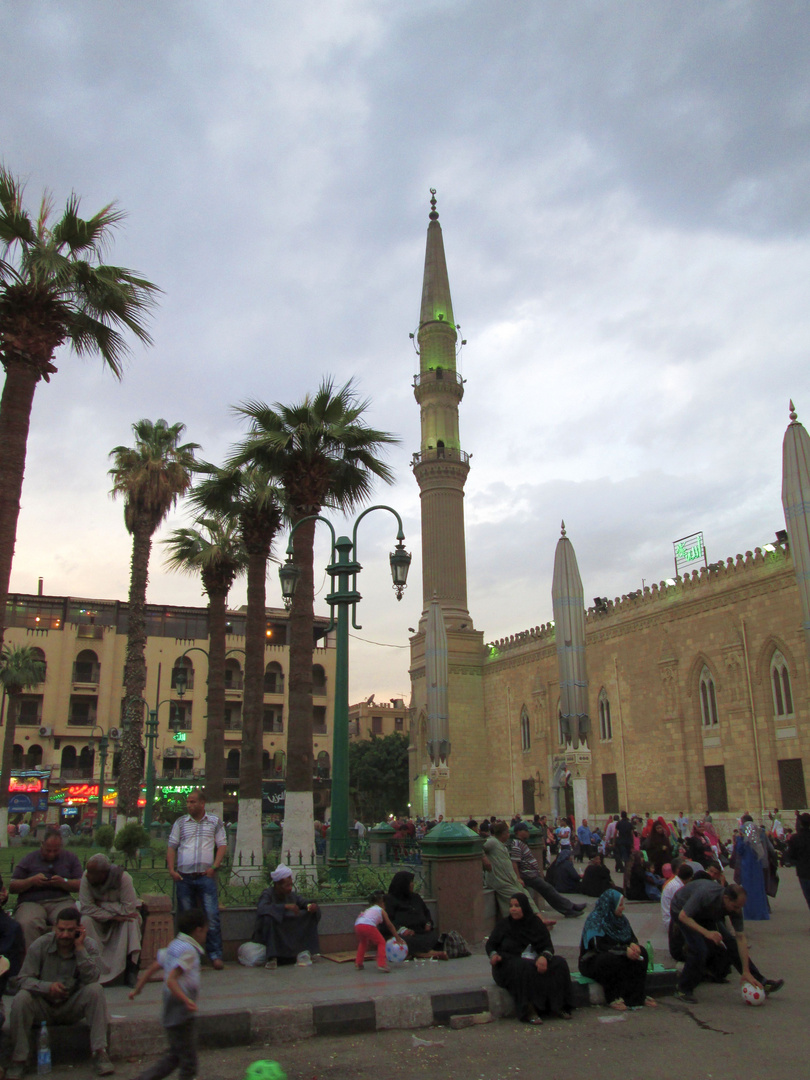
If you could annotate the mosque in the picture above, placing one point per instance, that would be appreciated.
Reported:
(688, 695)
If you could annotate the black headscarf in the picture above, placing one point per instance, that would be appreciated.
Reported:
(400, 887)
(530, 930)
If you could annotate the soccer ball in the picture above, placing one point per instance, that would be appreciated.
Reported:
(395, 953)
(265, 1070)
(752, 995)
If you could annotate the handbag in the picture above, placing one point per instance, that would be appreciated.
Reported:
(454, 945)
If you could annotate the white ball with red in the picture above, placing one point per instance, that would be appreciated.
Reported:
(395, 953)
(753, 995)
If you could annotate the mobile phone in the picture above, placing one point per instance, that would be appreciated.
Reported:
(77, 934)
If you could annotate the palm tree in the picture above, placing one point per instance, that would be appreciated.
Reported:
(214, 551)
(21, 667)
(151, 476)
(249, 497)
(54, 289)
(324, 456)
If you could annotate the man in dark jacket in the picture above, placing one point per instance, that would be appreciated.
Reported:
(799, 853)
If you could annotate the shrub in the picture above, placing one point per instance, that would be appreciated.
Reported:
(105, 836)
(131, 839)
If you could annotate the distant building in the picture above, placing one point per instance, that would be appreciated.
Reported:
(368, 718)
(83, 644)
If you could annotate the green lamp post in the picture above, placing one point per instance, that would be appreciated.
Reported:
(103, 747)
(151, 739)
(343, 571)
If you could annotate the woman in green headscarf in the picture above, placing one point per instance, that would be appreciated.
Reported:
(610, 954)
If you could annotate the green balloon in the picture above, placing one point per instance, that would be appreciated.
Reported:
(265, 1070)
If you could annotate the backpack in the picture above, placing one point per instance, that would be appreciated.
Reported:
(454, 945)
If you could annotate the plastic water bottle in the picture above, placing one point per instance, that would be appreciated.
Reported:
(650, 957)
(43, 1051)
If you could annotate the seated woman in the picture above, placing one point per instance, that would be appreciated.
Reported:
(596, 878)
(635, 882)
(562, 873)
(523, 962)
(410, 915)
(610, 954)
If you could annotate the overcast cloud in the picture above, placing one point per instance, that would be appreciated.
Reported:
(624, 190)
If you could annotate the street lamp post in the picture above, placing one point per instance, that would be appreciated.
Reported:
(151, 739)
(343, 571)
(103, 745)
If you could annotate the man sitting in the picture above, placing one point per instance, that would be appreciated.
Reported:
(44, 880)
(529, 874)
(110, 913)
(285, 923)
(58, 983)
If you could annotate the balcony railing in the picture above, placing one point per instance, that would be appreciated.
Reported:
(441, 453)
(273, 727)
(438, 375)
(88, 720)
(234, 683)
(319, 729)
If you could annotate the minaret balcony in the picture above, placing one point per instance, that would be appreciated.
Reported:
(438, 380)
(441, 453)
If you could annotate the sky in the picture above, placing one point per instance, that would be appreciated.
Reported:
(624, 191)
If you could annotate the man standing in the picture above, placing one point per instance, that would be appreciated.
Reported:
(110, 912)
(44, 880)
(624, 841)
(683, 825)
(58, 983)
(529, 873)
(584, 838)
(698, 935)
(197, 846)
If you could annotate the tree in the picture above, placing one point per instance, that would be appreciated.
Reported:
(150, 476)
(21, 667)
(250, 497)
(378, 776)
(324, 456)
(54, 290)
(214, 551)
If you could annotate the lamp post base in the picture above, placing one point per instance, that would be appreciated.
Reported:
(339, 869)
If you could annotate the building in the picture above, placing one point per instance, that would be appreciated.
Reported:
(83, 644)
(698, 688)
(368, 718)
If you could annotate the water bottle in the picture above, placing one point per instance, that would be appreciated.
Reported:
(43, 1051)
(650, 957)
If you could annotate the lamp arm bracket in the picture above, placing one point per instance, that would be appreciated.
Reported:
(310, 517)
(380, 506)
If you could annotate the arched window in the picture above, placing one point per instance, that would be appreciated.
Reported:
(780, 684)
(322, 765)
(279, 765)
(33, 759)
(605, 726)
(318, 680)
(232, 764)
(267, 767)
(68, 760)
(17, 756)
(40, 655)
(708, 699)
(186, 681)
(233, 675)
(273, 678)
(86, 759)
(86, 667)
(525, 730)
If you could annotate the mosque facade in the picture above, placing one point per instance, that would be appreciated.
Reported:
(697, 688)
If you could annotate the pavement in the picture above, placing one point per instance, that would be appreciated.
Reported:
(240, 1007)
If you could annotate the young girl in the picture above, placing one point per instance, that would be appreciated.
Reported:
(365, 927)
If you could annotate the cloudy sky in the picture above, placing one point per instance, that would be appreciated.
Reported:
(624, 190)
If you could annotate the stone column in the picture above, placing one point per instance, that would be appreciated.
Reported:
(455, 876)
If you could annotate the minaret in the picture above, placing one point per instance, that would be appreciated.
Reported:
(441, 466)
(796, 504)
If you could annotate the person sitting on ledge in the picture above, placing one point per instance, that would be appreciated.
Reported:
(286, 924)
(597, 877)
(43, 881)
(110, 913)
(410, 915)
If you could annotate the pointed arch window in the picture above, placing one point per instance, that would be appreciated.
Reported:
(525, 730)
(708, 699)
(605, 725)
(780, 685)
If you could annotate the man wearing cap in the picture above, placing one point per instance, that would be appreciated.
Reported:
(197, 846)
(529, 874)
(286, 924)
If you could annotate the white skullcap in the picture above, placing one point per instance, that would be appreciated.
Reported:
(280, 873)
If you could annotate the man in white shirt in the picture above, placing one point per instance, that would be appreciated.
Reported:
(685, 873)
(197, 846)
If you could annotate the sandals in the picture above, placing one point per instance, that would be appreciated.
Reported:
(617, 1004)
(650, 1003)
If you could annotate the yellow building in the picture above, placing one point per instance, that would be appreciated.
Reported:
(368, 718)
(83, 644)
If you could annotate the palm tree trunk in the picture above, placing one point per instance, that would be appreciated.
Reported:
(5, 775)
(248, 853)
(15, 418)
(129, 787)
(299, 825)
(215, 732)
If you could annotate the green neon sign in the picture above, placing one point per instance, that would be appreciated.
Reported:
(180, 736)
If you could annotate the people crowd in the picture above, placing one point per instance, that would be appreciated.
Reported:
(75, 931)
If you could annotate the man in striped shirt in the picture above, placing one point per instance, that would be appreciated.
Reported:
(197, 846)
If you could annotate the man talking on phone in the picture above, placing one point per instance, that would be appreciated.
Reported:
(59, 984)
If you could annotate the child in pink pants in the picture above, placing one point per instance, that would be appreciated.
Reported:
(366, 928)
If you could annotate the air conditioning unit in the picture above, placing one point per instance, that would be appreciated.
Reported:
(44, 732)
(170, 752)
(115, 733)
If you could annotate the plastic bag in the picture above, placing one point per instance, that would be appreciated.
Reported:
(251, 954)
